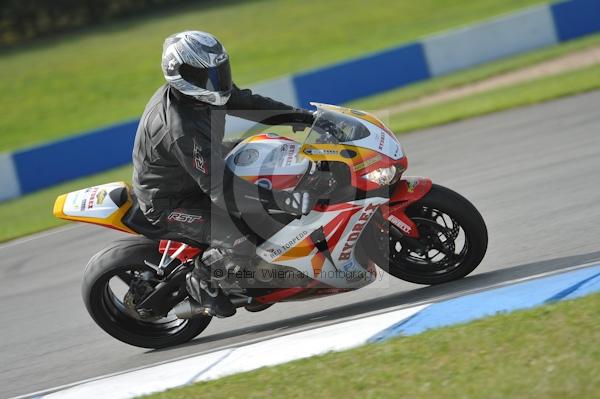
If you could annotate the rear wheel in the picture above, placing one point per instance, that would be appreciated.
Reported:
(453, 240)
(114, 278)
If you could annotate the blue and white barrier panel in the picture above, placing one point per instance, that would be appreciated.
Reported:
(343, 335)
(32, 169)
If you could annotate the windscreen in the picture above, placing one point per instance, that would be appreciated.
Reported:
(334, 127)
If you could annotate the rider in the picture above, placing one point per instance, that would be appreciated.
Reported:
(179, 176)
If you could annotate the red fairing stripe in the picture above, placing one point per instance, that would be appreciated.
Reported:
(187, 254)
(339, 223)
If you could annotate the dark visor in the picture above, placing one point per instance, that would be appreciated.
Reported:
(216, 78)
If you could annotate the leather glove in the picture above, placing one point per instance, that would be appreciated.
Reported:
(301, 120)
(296, 203)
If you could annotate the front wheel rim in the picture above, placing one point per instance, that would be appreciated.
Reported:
(441, 249)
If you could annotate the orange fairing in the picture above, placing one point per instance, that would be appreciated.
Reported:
(93, 205)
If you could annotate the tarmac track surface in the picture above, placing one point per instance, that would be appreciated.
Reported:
(532, 172)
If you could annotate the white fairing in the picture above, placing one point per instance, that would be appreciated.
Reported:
(264, 157)
(92, 202)
(344, 271)
(378, 140)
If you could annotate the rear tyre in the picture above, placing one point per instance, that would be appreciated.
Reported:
(112, 272)
(453, 240)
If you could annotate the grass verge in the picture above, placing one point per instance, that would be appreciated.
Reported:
(547, 352)
(106, 75)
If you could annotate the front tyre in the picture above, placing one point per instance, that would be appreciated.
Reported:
(109, 279)
(453, 240)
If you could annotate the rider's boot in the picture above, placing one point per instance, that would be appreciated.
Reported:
(198, 286)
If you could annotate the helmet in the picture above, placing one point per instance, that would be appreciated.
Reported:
(197, 65)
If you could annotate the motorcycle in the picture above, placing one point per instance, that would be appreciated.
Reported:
(368, 215)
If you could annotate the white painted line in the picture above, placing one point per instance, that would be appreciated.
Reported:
(234, 360)
(41, 235)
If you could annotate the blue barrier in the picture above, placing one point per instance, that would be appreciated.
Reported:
(363, 77)
(74, 157)
(576, 18)
(32, 169)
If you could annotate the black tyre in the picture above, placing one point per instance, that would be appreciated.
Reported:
(453, 240)
(105, 289)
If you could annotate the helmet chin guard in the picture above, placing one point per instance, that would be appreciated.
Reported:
(197, 65)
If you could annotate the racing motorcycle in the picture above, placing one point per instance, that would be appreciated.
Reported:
(368, 215)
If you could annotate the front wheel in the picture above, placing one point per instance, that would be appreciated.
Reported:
(111, 280)
(453, 240)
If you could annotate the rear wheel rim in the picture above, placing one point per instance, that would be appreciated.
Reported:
(112, 301)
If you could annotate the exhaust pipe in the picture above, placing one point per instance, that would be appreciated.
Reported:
(187, 309)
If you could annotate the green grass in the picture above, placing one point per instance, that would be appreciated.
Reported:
(33, 212)
(547, 352)
(106, 75)
(472, 75)
(532, 92)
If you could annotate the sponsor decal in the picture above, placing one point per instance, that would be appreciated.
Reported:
(290, 154)
(246, 157)
(199, 159)
(315, 151)
(172, 64)
(90, 202)
(285, 157)
(400, 224)
(356, 230)
(82, 207)
(273, 253)
(75, 200)
(100, 197)
(412, 184)
(184, 217)
(367, 163)
(265, 183)
(381, 141)
(348, 266)
(295, 240)
(240, 240)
